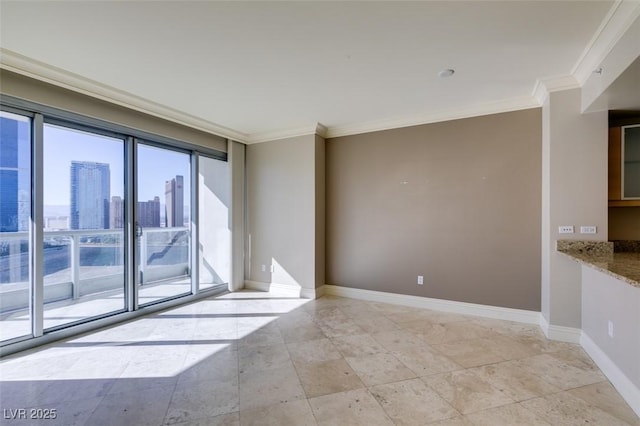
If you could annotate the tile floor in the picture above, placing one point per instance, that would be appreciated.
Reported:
(252, 358)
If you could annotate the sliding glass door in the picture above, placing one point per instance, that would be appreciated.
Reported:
(95, 222)
(84, 238)
(163, 223)
(15, 238)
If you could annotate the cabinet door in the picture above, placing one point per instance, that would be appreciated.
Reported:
(631, 162)
(615, 163)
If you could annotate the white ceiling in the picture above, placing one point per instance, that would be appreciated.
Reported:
(253, 69)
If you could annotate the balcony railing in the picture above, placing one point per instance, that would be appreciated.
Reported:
(79, 263)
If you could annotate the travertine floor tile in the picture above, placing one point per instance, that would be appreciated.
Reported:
(412, 402)
(565, 409)
(375, 324)
(231, 419)
(322, 378)
(356, 407)
(560, 372)
(301, 332)
(358, 345)
(132, 408)
(195, 400)
(515, 382)
(263, 358)
(455, 421)
(264, 336)
(470, 353)
(448, 332)
(313, 351)
(605, 397)
(467, 391)
(284, 413)
(269, 386)
(507, 415)
(379, 368)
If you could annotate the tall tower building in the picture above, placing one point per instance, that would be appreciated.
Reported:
(90, 195)
(116, 212)
(149, 213)
(174, 201)
(15, 182)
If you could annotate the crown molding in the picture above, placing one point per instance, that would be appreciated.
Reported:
(544, 86)
(515, 104)
(12, 61)
(618, 20)
(314, 129)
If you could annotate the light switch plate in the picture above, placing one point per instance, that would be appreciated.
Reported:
(588, 230)
(567, 229)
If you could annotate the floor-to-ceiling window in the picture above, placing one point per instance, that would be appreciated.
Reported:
(15, 211)
(163, 223)
(97, 220)
(83, 247)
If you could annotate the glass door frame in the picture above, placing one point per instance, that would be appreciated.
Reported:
(132, 169)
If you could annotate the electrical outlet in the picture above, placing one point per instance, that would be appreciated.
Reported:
(263, 268)
(610, 329)
(420, 280)
(588, 230)
(567, 229)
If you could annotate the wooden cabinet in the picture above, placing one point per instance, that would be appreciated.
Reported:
(616, 170)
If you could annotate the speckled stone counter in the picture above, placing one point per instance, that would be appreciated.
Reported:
(620, 259)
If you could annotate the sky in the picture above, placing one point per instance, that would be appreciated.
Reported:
(63, 145)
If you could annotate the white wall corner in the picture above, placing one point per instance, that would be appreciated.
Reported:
(545, 86)
(256, 285)
(627, 389)
(293, 132)
(560, 333)
(320, 291)
(287, 290)
(321, 130)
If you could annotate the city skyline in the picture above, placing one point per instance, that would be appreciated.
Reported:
(61, 148)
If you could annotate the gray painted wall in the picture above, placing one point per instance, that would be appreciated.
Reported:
(574, 192)
(457, 202)
(284, 184)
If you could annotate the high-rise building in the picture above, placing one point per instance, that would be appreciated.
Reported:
(90, 195)
(14, 175)
(116, 212)
(149, 213)
(174, 201)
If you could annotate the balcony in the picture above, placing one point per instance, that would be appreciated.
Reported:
(84, 274)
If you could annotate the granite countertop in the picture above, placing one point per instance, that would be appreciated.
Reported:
(620, 259)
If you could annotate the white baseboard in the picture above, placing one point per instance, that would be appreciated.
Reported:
(284, 289)
(495, 312)
(560, 333)
(627, 389)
